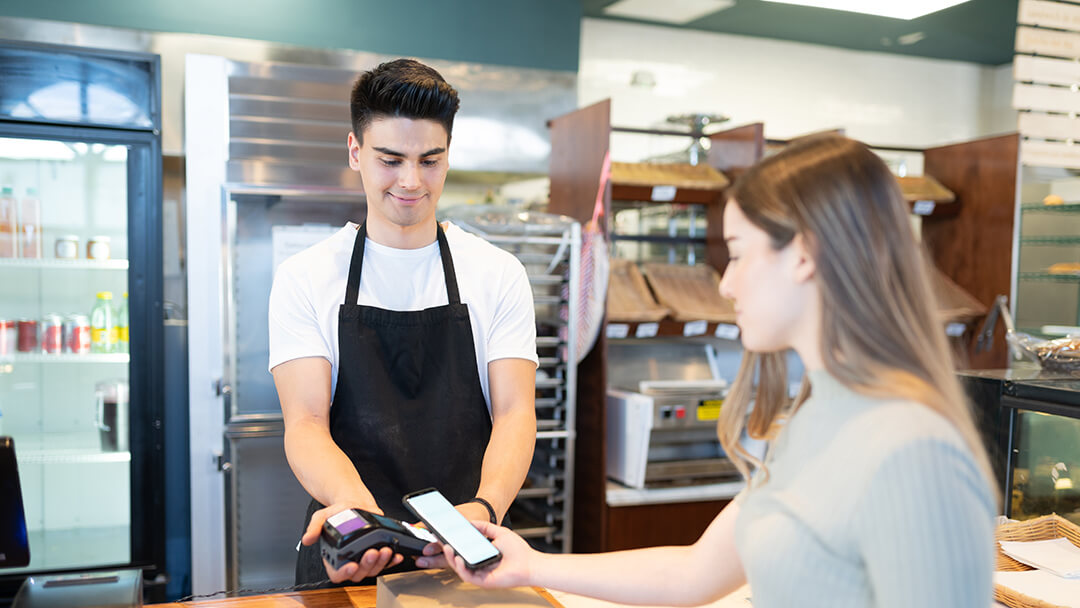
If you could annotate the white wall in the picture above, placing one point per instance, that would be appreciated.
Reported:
(794, 88)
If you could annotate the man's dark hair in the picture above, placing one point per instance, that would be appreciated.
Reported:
(402, 88)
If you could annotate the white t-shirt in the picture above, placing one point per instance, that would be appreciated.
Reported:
(310, 286)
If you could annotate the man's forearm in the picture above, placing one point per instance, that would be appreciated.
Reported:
(508, 456)
(322, 468)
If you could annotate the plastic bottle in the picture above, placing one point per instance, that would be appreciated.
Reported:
(30, 225)
(8, 223)
(122, 344)
(103, 334)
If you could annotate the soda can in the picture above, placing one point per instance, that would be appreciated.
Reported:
(77, 334)
(9, 338)
(28, 335)
(52, 334)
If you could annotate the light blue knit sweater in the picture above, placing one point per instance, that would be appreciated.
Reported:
(869, 502)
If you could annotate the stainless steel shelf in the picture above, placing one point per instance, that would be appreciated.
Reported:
(1040, 208)
(1050, 240)
(552, 434)
(526, 493)
(540, 531)
(54, 264)
(546, 279)
(548, 341)
(1051, 278)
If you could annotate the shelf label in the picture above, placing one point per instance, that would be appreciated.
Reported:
(955, 330)
(695, 328)
(923, 207)
(727, 331)
(663, 194)
(618, 330)
(647, 330)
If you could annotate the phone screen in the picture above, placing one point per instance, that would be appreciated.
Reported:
(450, 525)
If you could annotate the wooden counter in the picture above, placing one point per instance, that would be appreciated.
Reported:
(357, 597)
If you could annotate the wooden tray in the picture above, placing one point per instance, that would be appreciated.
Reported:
(680, 175)
(691, 292)
(955, 305)
(629, 298)
(925, 188)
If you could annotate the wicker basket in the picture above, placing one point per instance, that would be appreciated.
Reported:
(1041, 528)
(691, 292)
(629, 298)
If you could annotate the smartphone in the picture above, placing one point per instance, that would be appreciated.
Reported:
(451, 527)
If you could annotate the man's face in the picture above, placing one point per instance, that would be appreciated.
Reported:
(402, 164)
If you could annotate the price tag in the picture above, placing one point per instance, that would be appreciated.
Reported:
(727, 331)
(695, 328)
(955, 330)
(647, 330)
(618, 330)
(923, 207)
(663, 194)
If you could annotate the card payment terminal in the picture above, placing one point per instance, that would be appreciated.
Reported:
(347, 535)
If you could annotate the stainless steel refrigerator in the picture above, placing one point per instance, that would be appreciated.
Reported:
(81, 305)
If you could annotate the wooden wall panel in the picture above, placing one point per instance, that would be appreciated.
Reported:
(974, 248)
(732, 152)
(638, 526)
(579, 141)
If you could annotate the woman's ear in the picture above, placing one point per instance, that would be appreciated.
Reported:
(804, 266)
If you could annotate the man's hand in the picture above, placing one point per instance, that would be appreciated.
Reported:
(373, 561)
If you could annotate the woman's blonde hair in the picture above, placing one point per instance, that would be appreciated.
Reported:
(881, 334)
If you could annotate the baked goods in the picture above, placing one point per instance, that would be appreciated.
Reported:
(1053, 199)
(1065, 268)
(1061, 355)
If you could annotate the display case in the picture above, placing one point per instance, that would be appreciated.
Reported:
(1048, 278)
(1030, 422)
(80, 299)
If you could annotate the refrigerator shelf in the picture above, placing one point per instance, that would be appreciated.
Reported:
(54, 264)
(71, 457)
(67, 358)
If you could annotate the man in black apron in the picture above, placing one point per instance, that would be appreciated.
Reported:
(408, 410)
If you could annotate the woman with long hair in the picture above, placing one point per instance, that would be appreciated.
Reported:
(875, 489)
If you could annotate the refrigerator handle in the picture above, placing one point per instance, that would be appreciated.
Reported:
(100, 415)
(221, 388)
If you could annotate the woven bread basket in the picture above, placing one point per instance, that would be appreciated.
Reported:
(691, 292)
(629, 298)
(1046, 527)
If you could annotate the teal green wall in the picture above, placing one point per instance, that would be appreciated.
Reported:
(522, 33)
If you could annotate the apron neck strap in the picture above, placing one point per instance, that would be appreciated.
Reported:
(352, 288)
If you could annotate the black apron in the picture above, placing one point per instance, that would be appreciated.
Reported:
(408, 410)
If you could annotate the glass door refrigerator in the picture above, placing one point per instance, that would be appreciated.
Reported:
(81, 305)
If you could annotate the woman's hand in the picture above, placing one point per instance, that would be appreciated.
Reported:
(513, 570)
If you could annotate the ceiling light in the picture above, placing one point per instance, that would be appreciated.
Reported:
(670, 11)
(897, 9)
